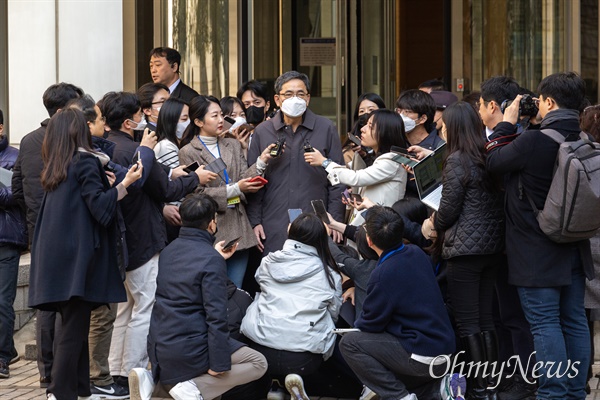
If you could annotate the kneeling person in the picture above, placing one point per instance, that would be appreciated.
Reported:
(189, 346)
(405, 331)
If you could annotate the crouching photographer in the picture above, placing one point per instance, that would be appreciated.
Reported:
(549, 276)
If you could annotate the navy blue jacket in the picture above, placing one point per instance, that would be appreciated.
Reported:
(13, 227)
(189, 330)
(404, 300)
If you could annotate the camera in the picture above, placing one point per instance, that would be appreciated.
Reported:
(278, 149)
(308, 147)
(527, 106)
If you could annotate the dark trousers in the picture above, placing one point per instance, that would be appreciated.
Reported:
(283, 362)
(71, 367)
(46, 328)
(382, 364)
(9, 271)
(471, 281)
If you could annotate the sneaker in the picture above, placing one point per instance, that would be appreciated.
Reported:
(112, 391)
(13, 360)
(141, 384)
(277, 392)
(186, 391)
(453, 387)
(4, 370)
(368, 394)
(45, 381)
(92, 397)
(295, 385)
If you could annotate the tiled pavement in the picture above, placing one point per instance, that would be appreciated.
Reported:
(23, 384)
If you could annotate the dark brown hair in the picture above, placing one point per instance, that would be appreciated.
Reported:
(590, 121)
(67, 131)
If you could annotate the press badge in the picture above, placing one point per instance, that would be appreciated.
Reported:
(233, 201)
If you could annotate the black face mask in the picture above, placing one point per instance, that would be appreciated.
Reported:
(363, 119)
(255, 115)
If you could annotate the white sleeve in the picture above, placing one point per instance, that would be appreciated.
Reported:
(382, 170)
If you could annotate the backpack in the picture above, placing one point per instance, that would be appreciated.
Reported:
(572, 208)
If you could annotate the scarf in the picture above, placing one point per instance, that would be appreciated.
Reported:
(104, 159)
(560, 114)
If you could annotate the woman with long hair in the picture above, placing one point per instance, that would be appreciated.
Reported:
(470, 221)
(205, 144)
(291, 320)
(173, 120)
(384, 182)
(365, 104)
(74, 266)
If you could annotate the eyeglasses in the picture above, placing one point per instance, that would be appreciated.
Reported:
(404, 112)
(290, 94)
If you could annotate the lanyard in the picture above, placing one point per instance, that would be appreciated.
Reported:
(390, 254)
(219, 150)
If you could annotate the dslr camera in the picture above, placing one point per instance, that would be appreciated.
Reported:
(527, 107)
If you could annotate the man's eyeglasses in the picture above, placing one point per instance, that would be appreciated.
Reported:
(290, 94)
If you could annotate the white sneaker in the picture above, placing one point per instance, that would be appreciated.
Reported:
(92, 397)
(453, 387)
(141, 384)
(367, 394)
(295, 385)
(50, 396)
(186, 391)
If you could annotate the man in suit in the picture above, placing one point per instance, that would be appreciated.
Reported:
(164, 68)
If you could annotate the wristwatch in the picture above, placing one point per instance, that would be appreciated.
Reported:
(326, 163)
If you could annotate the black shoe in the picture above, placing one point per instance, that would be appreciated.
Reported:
(112, 391)
(45, 381)
(519, 390)
(4, 371)
(121, 380)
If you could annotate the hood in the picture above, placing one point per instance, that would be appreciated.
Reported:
(295, 262)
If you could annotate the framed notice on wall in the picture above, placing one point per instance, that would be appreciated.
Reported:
(317, 51)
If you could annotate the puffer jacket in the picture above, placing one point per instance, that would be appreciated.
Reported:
(472, 217)
(13, 227)
(296, 308)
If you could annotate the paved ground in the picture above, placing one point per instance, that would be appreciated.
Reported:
(23, 384)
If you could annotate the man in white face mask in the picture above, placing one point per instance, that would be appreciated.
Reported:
(417, 110)
(293, 183)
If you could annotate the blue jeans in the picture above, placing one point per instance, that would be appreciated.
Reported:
(236, 266)
(9, 270)
(560, 335)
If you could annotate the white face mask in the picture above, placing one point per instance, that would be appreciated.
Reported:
(293, 107)
(239, 121)
(181, 127)
(140, 125)
(409, 123)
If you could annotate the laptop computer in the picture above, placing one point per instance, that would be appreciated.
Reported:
(428, 177)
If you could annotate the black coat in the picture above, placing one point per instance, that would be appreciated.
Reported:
(533, 259)
(74, 246)
(26, 187)
(184, 92)
(189, 325)
(142, 210)
(473, 218)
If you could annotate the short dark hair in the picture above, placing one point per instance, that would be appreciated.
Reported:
(412, 209)
(420, 102)
(170, 54)
(58, 95)
(384, 227)
(388, 130)
(147, 91)
(85, 104)
(472, 98)
(567, 89)
(499, 88)
(1, 118)
(257, 87)
(227, 104)
(197, 210)
(288, 76)
(117, 107)
(374, 97)
(434, 84)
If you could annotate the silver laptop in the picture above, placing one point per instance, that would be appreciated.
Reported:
(428, 177)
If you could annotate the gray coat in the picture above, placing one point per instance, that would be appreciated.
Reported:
(293, 183)
(232, 222)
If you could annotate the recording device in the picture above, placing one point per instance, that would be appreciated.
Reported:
(110, 167)
(227, 118)
(278, 149)
(294, 213)
(403, 151)
(260, 179)
(307, 147)
(192, 167)
(527, 106)
(136, 157)
(232, 243)
(354, 139)
(216, 166)
(228, 123)
(319, 208)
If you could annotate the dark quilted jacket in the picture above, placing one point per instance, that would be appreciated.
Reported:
(472, 218)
